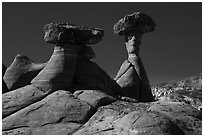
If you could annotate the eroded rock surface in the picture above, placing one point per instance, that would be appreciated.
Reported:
(123, 118)
(132, 76)
(89, 74)
(128, 79)
(20, 98)
(96, 98)
(21, 72)
(188, 90)
(137, 22)
(57, 33)
(56, 111)
(60, 69)
(94, 112)
(70, 66)
(72, 95)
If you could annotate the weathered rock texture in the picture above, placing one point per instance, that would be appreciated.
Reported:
(137, 22)
(21, 72)
(70, 42)
(72, 95)
(60, 108)
(128, 79)
(70, 66)
(60, 69)
(95, 98)
(188, 91)
(158, 118)
(4, 86)
(20, 98)
(57, 33)
(132, 76)
(89, 74)
(94, 112)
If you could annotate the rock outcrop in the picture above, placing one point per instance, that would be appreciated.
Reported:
(95, 98)
(72, 95)
(157, 118)
(20, 98)
(132, 76)
(93, 112)
(70, 42)
(60, 69)
(60, 110)
(21, 72)
(128, 79)
(70, 66)
(188, 91)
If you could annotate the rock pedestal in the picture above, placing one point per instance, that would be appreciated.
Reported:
(128, 79)
(132, 76)
(70, 42)
(60, 69)
(70, 66)
(145, 94)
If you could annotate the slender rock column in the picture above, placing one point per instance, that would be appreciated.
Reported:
(132, 76)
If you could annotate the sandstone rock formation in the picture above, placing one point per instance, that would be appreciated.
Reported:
(93, 112)
(4, 86)
(188, 91)
(157, 118)
(70, 66)
(132, 76)
(70, 43)
(55, 114)
(96, 113)
(136, 22)
(20, 98)
(21, 72)
(72, 95)
(95, 98)
(57, 33)
(60, 69)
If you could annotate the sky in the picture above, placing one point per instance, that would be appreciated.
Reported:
(173, 51)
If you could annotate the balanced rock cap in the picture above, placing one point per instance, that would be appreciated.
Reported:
(62, 33)
(136, 22)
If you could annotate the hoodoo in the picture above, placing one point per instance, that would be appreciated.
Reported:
(132, 76)
(70, 66)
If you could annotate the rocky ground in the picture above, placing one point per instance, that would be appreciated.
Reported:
(176, 111)
(188, 90)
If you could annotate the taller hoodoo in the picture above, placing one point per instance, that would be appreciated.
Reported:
(70, 41)
(132, 76)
